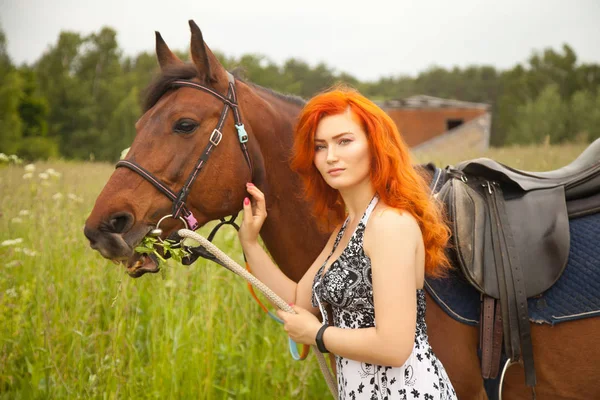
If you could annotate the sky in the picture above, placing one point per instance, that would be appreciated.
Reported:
(366, 38)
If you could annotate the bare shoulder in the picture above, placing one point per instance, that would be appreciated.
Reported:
(387, 224)
(386, 219)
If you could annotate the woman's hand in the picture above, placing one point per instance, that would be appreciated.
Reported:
(255, 213)
(301, 327)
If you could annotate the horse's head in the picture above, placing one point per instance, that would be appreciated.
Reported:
(189, 137)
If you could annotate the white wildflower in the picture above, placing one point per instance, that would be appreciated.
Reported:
(30, 167)
(15, 159)
(24, 213)
(53, 172)
(3, 157)
(11, 292)
(29, 252)
(57, 196)
(13, 263)
(16, 220)
(74, 198)
(28, 175)
(11, 242)
(43, 175)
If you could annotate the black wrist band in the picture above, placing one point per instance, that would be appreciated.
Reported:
(319, 339)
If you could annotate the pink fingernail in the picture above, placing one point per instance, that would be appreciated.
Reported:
(246, 201)
(250, 184)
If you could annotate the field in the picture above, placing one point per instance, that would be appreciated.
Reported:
(74, 325)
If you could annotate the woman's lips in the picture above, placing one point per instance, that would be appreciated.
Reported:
(335, 171)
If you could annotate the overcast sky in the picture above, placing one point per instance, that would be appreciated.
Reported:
(366, 38)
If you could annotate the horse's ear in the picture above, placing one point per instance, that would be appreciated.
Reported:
(164, 54)
(208, 66)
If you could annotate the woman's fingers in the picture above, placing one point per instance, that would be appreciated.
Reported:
(247, 207)
(259, 199)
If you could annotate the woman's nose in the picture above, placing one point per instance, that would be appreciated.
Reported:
(331, 155)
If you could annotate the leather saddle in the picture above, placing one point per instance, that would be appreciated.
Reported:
(510, 237)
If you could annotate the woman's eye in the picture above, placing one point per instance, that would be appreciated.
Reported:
(185, 126)
(345, 141)
(319, 147)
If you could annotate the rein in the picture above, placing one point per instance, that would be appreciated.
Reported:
(231, 265)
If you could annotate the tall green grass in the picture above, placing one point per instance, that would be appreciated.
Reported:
(74, 325)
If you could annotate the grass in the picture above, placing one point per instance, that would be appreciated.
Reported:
(73, 325)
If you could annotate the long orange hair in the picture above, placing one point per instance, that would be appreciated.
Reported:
(392, 174)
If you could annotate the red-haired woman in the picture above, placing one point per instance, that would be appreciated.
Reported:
(387, 234)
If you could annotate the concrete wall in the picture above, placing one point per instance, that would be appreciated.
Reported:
(419, 125)
(472, 135)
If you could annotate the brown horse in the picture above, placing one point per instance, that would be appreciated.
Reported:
(176, 130)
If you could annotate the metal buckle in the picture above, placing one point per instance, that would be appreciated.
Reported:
(242, 135)
(217, 140)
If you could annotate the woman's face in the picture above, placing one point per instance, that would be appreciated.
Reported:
(342, 151)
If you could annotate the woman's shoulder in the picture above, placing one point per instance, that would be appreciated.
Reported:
(391, 234)
(386, 224)
(389, 220)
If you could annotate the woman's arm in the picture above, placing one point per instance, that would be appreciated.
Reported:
(261, 264)
(392, 243)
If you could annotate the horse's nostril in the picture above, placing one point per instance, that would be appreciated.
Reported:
(120, 222)
(89, 233)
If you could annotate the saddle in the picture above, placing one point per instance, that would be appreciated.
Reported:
(510, 237)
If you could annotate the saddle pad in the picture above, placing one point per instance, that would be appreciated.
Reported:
(575, 295)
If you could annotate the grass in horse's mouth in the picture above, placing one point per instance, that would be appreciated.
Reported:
(140, 264)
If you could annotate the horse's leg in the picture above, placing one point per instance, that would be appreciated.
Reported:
(567, 362)
(455, 344)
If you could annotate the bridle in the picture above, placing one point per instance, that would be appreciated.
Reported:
(182, 212)
(179, 209)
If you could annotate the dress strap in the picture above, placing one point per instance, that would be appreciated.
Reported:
(369, 209)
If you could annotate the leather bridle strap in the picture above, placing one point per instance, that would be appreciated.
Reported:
(179, 208)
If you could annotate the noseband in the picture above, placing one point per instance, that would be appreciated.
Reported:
(179, 209)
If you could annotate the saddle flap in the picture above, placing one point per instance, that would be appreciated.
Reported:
(537, 221)
(468, 229)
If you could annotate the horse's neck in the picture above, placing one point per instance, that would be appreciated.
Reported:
(290, 231)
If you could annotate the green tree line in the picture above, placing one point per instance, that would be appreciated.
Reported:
(82, 97)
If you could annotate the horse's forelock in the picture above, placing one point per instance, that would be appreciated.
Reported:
(162, 83)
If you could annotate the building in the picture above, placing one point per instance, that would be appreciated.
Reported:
(429, 123)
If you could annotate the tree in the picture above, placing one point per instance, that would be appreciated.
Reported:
(545, 117)
(120, 130)
(11, 88)
(5, 63)
(585, 115)
(33, 107)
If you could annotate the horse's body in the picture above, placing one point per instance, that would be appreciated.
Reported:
(565, 355)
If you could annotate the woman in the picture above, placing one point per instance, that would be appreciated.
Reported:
(387, 234)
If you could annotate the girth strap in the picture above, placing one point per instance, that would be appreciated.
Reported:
(513, 298)
(491, 335)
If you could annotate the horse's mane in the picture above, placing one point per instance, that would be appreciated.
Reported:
(162, 84)
(237, 73)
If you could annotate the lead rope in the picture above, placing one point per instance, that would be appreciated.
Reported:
(234, 267)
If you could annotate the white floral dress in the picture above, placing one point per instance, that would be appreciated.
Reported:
(347, 287)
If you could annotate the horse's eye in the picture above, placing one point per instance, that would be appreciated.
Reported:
(185, 126)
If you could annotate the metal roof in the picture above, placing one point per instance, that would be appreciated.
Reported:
(424, 101)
